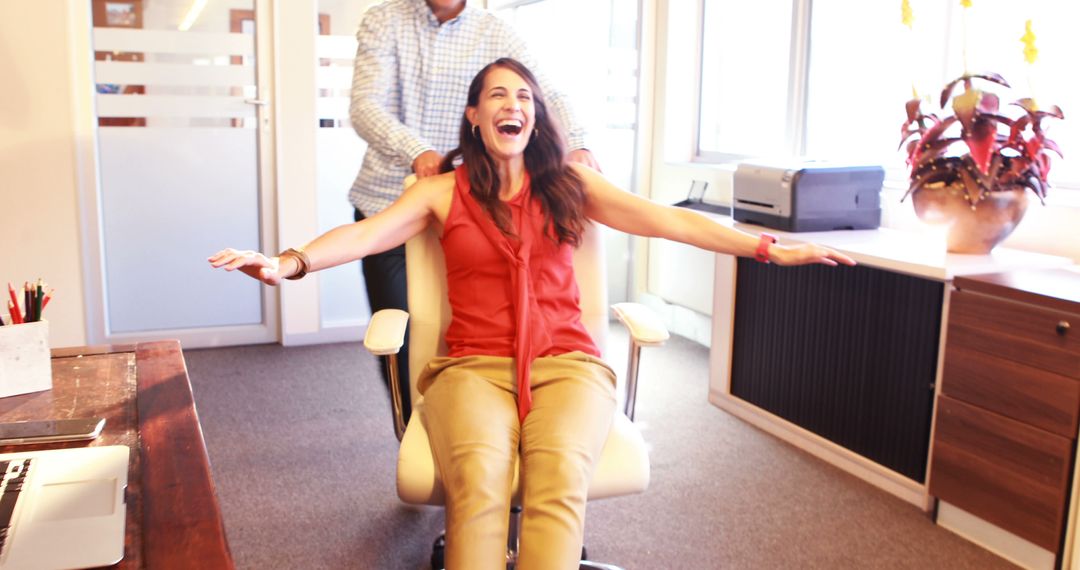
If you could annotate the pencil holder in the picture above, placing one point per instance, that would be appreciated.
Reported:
(25, 364)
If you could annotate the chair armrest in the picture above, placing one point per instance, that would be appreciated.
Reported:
(386, 332)
(384, 337)
(646, 329)
(645, 326)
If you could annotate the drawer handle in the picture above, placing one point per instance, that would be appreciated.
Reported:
(1062, 327)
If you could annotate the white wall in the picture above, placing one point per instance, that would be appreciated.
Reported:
(39, 221)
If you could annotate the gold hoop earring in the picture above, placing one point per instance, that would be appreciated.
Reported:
(476, 131)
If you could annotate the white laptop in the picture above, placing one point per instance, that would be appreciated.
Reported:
(66, 505)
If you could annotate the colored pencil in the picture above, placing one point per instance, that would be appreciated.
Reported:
(11, 293)
(28, 304)
(16, 318)
(38, 295)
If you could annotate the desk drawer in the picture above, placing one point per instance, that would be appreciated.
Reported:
(1003, 471)
(1016, 331)
(1031, 395)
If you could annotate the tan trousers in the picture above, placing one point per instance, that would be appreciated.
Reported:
(469, 409)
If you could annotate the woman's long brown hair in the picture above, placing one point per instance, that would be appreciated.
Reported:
(558, 188)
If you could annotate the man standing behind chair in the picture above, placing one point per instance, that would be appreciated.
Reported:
(414, 63)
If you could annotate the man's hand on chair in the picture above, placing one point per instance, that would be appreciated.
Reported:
(427, 164)
(584, 156)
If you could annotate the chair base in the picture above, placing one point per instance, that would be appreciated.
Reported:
(589, 565)
(438, 557)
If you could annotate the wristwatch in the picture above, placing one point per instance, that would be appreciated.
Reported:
(762, 252)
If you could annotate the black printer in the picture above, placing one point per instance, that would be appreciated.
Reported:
(808, 196)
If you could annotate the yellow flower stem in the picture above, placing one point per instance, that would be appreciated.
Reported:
(1031, 55)
(965, 6)
(907, 19)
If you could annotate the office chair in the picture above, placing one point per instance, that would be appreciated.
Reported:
(623, 467)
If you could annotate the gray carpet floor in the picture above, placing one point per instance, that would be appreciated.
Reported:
(303, 454)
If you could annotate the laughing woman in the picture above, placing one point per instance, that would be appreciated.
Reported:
(510, 210)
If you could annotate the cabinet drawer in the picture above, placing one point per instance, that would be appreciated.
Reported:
(1002, 471)
(1031, 395)
(1015, 331)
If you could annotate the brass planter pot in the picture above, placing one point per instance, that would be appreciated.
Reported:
(973, 230)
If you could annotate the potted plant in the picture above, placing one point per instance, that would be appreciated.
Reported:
(972, 168)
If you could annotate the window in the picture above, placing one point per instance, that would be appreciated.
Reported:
(602, 81)
(746, 52)
(796, 77)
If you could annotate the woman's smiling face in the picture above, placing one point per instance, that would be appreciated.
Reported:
(504, 114)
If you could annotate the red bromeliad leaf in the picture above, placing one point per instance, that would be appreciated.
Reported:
(992, 77)
(988, 180)
(966, 79)
(1054, 111)
(1033, 147)
(947, 91)
(935, 132)
(913, 113)
(1028, 104)
(1051, 145)
(1043, 160)
(929, 144)
(981, 140)
(972, 192)
(989, 103)
(906, 134)
(965, 105)
(975, 103)
(932, 151)
(916, 125)
(1016, 132)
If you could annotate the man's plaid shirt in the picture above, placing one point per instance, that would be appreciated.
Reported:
(410, 84)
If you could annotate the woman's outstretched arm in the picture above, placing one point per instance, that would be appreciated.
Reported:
(419, 205)
(633, 214)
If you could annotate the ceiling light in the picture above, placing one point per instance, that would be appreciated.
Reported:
(192, 15)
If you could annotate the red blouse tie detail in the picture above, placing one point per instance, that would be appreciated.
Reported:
(518, 257)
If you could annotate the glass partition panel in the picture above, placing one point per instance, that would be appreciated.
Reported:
(340, 151)
(178, 150)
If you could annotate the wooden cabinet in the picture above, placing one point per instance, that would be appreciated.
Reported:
(1006, 424)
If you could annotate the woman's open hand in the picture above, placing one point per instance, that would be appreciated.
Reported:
(805, 253)
(249, 262)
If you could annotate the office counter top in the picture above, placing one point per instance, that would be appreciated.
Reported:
(919, 254)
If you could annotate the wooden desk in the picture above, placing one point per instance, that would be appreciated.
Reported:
(143, 391)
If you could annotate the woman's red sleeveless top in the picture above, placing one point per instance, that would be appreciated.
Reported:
(510, 295)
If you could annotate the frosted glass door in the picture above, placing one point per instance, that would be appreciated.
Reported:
(180, 128)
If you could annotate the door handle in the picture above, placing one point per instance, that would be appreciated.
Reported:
(259, 102)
